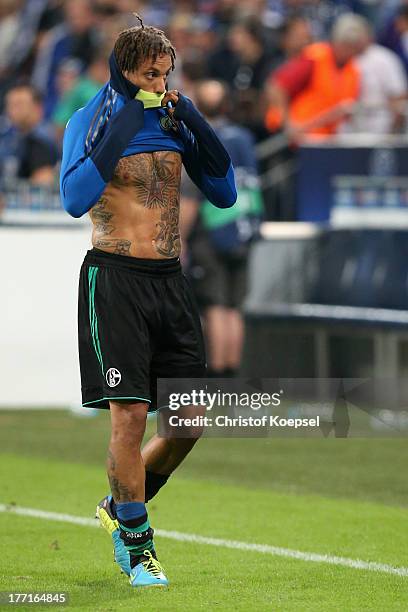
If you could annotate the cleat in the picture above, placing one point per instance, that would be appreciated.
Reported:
(109, 522)
(148, 572)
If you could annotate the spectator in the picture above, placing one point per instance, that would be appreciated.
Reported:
(296, 34)
(19, 22)
(383, 87)
(85, 88)
(245, 60)
(9, 24)
(225, 13)
(194, 40)
(75, 37)
(35, 155)
(245, 65)
(52, 15)
(220, 242)
(68, 75)
(395, 35)
(321, 14)
(314, 93)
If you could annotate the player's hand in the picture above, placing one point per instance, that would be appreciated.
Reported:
(173, 97)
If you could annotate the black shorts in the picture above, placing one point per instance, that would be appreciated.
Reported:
(219, 279)
(137, 321)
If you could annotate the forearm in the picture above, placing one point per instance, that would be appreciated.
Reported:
(205, 158)
(335, 113)
(278, 103)
(215, 160)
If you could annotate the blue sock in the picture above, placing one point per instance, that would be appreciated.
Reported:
(135, 529)
(130, 510)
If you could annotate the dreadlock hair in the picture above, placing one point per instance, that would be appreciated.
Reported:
(136, 45)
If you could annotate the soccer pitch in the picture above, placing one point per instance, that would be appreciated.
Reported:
(306, 511)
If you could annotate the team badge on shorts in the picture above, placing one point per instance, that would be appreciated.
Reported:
(113, 377)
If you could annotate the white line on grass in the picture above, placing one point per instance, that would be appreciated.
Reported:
(234, 544)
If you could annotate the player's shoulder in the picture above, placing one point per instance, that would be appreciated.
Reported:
(80, 120)
(75, 119)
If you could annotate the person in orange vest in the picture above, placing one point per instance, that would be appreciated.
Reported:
(311, 94)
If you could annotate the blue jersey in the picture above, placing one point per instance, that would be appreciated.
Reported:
(114, 124)
(157, 134)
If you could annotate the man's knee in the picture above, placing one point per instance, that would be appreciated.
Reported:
(190, 433)
(128, 422)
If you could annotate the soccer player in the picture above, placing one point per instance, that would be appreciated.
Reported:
(122, 158)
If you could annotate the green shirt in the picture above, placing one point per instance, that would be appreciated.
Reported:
(75, 98)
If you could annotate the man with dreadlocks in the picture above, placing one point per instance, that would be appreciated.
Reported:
(122, 158)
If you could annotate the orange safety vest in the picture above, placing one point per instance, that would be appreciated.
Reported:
(329, 85)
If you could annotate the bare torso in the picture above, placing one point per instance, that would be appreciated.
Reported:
(138, 213)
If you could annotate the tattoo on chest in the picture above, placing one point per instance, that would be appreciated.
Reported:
(155, 177)
(155, 180)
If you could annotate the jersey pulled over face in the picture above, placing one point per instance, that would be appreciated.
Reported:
(138, 213)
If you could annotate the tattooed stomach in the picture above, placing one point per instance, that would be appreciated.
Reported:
(138, 213)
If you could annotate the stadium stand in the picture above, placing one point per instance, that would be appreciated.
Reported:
(333, 283)
(319, 298)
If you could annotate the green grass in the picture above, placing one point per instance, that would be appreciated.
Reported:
(340, 497)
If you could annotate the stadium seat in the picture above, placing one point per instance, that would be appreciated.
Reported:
(339, 283)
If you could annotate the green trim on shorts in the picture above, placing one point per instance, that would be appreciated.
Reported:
(104, 399)
(93, 319)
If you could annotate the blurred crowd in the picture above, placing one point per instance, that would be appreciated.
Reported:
(296, 68)
(267, 74)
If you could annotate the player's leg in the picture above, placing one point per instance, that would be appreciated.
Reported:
(126, 473)
(182, 355)
(216, 316)
(115, 316)
(216, 329)
(237, 289)
(210, 283)
(233, 345)
(162, 455)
